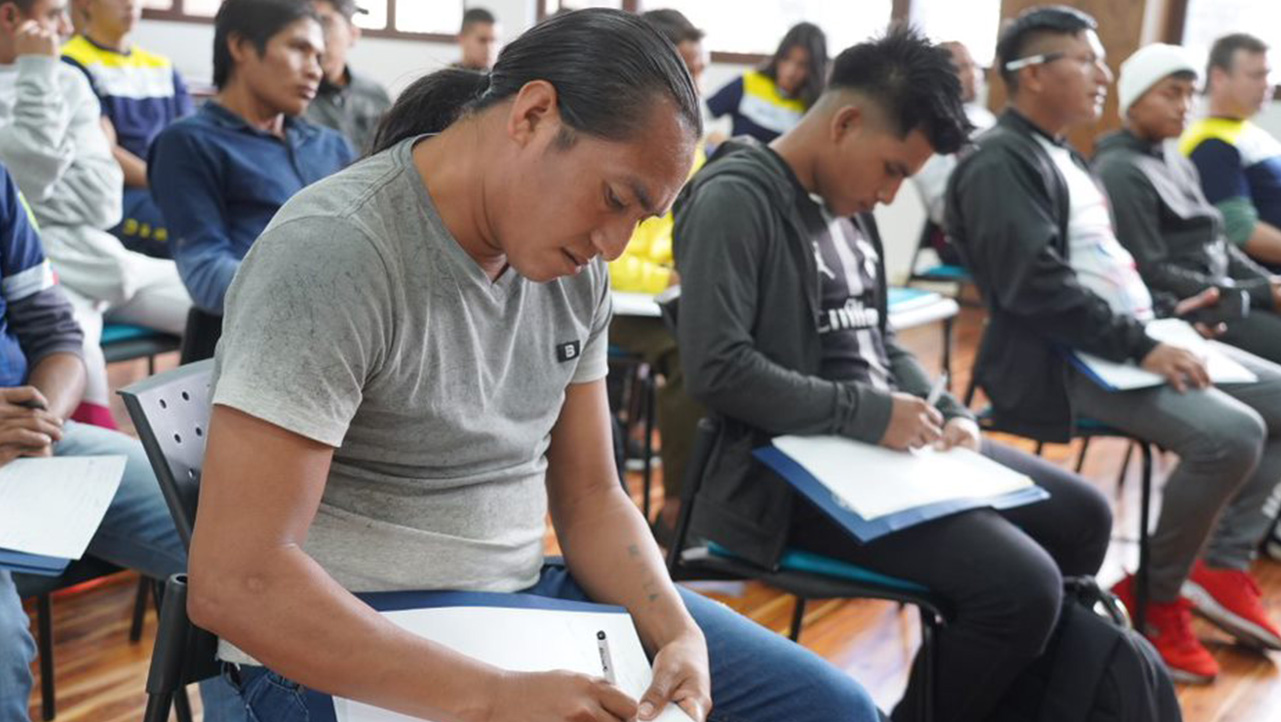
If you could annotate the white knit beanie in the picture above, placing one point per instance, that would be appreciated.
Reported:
(1147, 67)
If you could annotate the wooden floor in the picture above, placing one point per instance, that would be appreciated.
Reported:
(100, 675)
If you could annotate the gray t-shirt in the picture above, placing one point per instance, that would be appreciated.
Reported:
(358, 321)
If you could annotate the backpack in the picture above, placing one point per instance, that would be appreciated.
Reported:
(1094, 668)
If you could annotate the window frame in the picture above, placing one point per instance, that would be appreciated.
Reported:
(176, 13)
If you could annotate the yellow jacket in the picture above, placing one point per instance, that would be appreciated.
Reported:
(646, 265)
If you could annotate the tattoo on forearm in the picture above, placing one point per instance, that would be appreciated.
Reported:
(650, 586)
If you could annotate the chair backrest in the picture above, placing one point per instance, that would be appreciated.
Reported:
(695, 470)
(200, 339)
(171, 413)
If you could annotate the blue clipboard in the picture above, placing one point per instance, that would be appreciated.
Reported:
(866, 530)
(320, 706)
(25, 563)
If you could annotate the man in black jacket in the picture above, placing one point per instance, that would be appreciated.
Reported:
(782, 330)
(1037, 234)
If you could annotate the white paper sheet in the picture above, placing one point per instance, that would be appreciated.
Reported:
(1128, 376)
(628, 303)
(874, 481)
(54, 506)
(525, 640)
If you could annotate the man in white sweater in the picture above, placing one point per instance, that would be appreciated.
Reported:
(52, 139)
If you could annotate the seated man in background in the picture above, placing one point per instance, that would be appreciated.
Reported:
(1163, 218)
(783, 330)
(52, 140)
(478, 40)
(646, 267)
(931, 181)
(141, 94)
(1239, 162)
(41, 379)
(1035, 231)
(348, 102)
(220, 175)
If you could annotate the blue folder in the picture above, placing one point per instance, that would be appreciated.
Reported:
(866, 530)
(25, 563)
(320, 706)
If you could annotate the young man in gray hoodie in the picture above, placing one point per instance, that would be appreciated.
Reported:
(782, 330)
(52, 140)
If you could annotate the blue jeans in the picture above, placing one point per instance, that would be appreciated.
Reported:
(757, 676)
(137, 532)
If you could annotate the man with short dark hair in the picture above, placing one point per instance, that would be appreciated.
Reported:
(478, 39)
(783, 330)
(1037, 234)
(220, 175)
(347, 101)
(1239, 162)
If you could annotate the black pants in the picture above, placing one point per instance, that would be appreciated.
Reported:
(1001, 572)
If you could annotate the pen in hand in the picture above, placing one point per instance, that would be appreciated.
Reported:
(936, 391)
(606, 661)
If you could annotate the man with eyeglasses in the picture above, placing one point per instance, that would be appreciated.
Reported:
(1037, 234)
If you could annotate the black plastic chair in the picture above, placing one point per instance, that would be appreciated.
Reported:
(42, 589)
(126, 342)
(200, 339)
(948, 270)
(170, 412)
(706, 561)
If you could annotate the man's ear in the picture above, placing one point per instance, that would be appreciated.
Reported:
(846, 120)
(9, 17)
(355, 32)
(534, 112)
(239, 48)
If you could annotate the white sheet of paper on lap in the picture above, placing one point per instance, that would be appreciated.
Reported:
(874, 481)
(1223, 369)
(524, 640)
(53, 507)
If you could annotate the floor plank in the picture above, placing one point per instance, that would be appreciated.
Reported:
(100, 675)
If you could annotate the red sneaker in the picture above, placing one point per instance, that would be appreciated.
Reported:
(1169, 629)
(1231, 599)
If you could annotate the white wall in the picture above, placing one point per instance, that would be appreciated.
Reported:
(396, 63)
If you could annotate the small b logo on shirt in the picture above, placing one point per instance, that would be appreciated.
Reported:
(567, 351)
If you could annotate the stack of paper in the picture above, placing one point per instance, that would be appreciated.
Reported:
(873, 491)
(51, 508)
(1128, 376)
(517, 632)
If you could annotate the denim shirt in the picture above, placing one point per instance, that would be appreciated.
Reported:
(218, 181)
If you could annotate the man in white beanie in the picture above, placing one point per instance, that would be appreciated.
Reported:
(1163, 218)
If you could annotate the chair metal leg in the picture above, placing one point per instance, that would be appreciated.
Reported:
(798, 620)
(947, 350)
(139, 610)
(1145, 507)
(651, 404)
(151, 365)
(1040, 447)
(158, 706)
(182, 705)
(1125, 466)
(928, 665)
(44, 624)
(1080, 460)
